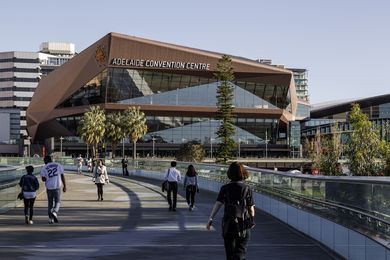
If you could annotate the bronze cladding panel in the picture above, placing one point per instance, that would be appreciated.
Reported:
(130, 47)
(63, 82)
(157, 110)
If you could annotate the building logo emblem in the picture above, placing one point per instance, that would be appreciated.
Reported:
(100, 54)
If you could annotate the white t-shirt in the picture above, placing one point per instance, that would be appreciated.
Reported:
(29, 194)
(80, 161)
(173, 175)
(52, 172)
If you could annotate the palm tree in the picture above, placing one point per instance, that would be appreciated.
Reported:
(134, 124)
(92, 127)
(114, 130)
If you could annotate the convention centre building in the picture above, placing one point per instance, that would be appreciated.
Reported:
(175, 87)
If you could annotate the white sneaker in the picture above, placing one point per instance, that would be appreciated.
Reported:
(54, 214)
(30, 222)
(51, 221)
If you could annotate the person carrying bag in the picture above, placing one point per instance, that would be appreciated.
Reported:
(29, 184)
(172, 177)
(239, 212)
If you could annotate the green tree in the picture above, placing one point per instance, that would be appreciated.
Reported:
(385, 152)
(331, 149)
(114, 130)
(191, 152)
(325, 151)
(134, 124)
(92, 127)
(363, 146)
(225, 93)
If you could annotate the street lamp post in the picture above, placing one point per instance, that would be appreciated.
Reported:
(61, 139)
(87, 151)
(29, 146)
(211, 147)
(153, 140)
(266, 144)
(239, 147)
(123, 147)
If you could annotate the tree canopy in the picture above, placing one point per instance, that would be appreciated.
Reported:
(225, 107)
(92, 127)
(364, 145)
(134, 124)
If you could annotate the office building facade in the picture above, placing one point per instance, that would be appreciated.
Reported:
(20, 73)
(334, 116)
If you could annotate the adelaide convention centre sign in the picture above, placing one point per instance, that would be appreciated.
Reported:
(160, 64)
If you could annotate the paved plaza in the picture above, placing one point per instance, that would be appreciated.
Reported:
(133, 222)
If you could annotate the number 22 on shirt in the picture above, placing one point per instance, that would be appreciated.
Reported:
(52, 172)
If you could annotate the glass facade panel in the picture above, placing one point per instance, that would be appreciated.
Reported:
(130, 86)
(138, 87)
(91, 93)
(384, 110)
(303, 110)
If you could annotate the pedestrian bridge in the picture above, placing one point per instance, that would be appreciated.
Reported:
(298, 217)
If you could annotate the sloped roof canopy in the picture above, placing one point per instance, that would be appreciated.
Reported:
(345, 106)
(74, 74)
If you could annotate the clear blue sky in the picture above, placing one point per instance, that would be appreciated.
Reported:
(345, 44)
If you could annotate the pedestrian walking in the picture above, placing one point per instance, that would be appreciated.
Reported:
(100, 178)
(79, 163)
(173, 176)
(89, 165)
(125, 172)
(29, 184)
(239, 212)
(53, 176)
(191, 186)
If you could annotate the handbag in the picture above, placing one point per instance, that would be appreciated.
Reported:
(164, 186)
(20, 195)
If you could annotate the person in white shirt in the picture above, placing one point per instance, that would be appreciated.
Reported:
(53, 176)
(173, 176)
(100, 178)
(79, 162)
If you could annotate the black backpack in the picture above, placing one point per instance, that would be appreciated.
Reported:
(236, 216)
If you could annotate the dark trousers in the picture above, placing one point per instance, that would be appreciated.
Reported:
(125, 172)
(100, 190)
(29, 207)
(190, 194)
(236, 247)
(172, 188)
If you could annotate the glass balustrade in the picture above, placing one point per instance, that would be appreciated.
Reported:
(361, 203)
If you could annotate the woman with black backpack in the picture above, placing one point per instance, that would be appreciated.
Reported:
(30, 185)
(239, 212)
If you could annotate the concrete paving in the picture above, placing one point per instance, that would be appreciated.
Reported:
(133, 222)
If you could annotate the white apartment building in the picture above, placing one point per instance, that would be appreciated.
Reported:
(20, 73)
